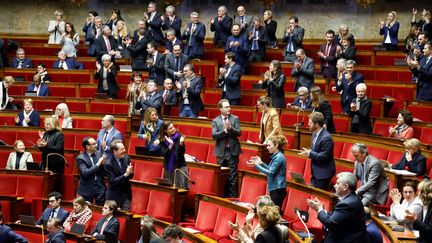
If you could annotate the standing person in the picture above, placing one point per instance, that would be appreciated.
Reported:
(93, 33)
(321, 152)
(119, 171)
(18, 159)
(155, 64)
(63, 115)
(347, 49)
(121, 35)
(221, 25)
(134, 89)
(389, 29)
(269, 217)
(327, 55)
(348, 83)
(28, 117)
(274, 82)
(51, 142)
(423, 224)
(107, 224)
(107, 134)
(54, 210)
(423, 71)
(107, 75)
(360, 111)
(257, 41)
(5, 99)
(189, 89)
(115, 17)
(346, 223)
(226, 131)
(374, 184)
(194, 35)
(70, 39)
(106, 44)
(55, 231)
(138, 50)
(154, 20)
(303, 70)
(169, 96)
(8, 235)
(293, 38)
(270, 124)
(56, 28)
(173, 150)
(149, 131)
(174, 63)
(243, 20)
(171, 40)
(229, 80)
(239, 45)
(81, 214)
(271, 26)
(424, 24)
(319, 104)
(275, 170)
(91, 170)
(172, 21)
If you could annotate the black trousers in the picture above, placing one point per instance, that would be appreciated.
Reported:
(98, 195)
(321, 183)
(230, 161)
(278, 197)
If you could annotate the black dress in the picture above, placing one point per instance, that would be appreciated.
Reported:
(54, 144)
(325, 108)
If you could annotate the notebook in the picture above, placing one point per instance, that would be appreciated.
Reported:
(30, 93)
(297, 177)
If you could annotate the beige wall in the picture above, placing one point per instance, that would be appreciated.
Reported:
(33, 16)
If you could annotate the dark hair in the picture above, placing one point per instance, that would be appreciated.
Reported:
(221, 101)
(85, 142)
(1, 216)
(72, 33)
(117, 11)
(349, 37)
(56, 195)
(295, 18)
(94, 13)
(162, 131)
(134, 74)
(407, 116)
(230, 55)
(330, 32)
(112, 205)
(113, 144)
(172, 231)
(148, 230)
(42, 65)
(411, 184)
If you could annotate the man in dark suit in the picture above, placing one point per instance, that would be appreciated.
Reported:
(172, 21)
(374, 184)
(154, 20)
(226, 130)
(303, 70)
(155, 64)
(91, 168)
(327, 55)
(8, 235)
(320, 153)
(293, 38)
(423, 71)
(171, 40)
(239, 45)
(348, 85)
(107, 134)
(189, 90)
(21, 61)
(40, 88)
(229, 80)
(119, 171)
(55, 231)
(174, 63)
(67, 64)
(54, 210)
(138, 51)
(151, 98)
(106, 44)
(302, 101)
(346, 223)
(92, 30)
(169, 96)
(257, 41)
(221, 25)
(107, 228)
(194, 35)
(360, 111)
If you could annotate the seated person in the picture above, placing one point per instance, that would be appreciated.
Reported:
(169, 96)
(410, 202)
(107, 224)
(54, 210)
(28, 117)
(81, 214)
(148, 231)
(149, 130)
(403, 129)
(43, 73)
(172, 233)
(66, 64)
(40, 88)
(21, 61)
(55, 231)
(18, 160)
(269, 217)
(412, 160)
(302, 101)
(63, 115)
(8, 235)
(372, 230)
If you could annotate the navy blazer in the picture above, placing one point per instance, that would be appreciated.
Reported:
(138, 52)
(157, 71)
(349, 90)
(416, 165)
(195, 44)
(275, 171)
(194, 95)
(8, 235)
(275, 90)
(101, 47)
(62, 215)
(325, 108)
(113, 134)
(112, 227)
(241, 51)
(232, 82)
(307, 105)
(155, 101)
(296, 38)
(154, 135)
(175, 25)
(119, 186)
(424, 81)
(155, 26)
(321, 155)
(304, 77)
(113, 87)
(27, 63)
(34, 119)
(349, 53)
(70, 63)
(262, 41)
(43, 90)
(88, 172)
(363, 114)
(169, 45)
(222, 30)
(392, 31)
(346, 223)
(424, 226)
(57, 237)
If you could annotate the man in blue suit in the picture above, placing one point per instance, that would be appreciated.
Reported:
(171, 40)
(239, 45)
(229, 80)
(172, 21)
(67, 64)
(194, 34)
(8, 235)
(423, 71)
(40, 88)
(320, 153)
(149, 99)
(154, 20)
(107, 134)
(21, 61)
(347, 221)
(119, 171)
(54, 210)
(221, 25)
(55, 231)
(91, 168)
(92, 28)
(189, 90)
(348, 85)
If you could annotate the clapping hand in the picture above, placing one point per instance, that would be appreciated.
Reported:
(410, 216)
(408, 156)
(182, 139)
(395, 195)
(254, 160)
(315, 204)
(178, 85)
(382, 23)
(98, 66)
(305, 152)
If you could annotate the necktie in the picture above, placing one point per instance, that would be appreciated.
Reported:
(225, 118)
(20, 63)
(255, 41)
(108, 45)
(93, 156)
(191, 34)
(105, 136)
(165, 95)
(327, 50)
(314, 137)
(103, 226)
(149, 97)
(241, 20)
(61, 64)
(363, 175)
(177, 64)
(52, 213)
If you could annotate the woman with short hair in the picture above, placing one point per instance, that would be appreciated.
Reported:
(56, 28)
(18, 159)
(107, 76)
(63, 115)
(403, 129)
(412, 160)
(28, 117)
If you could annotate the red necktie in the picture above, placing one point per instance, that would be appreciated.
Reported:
(107, 43)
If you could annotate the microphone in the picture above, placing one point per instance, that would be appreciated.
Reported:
(184, 174)
(298, 213)
(297, 124)
(49, 155)
(32, 143)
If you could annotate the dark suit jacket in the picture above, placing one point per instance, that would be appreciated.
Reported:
(416, 165)
(424, 81)
(349, 53)
(155, 101)
(275, 90)
(62, 214)
(194, 95)
(219, 134)
(169, 45)
(27, 63)
(111, 80)
(330, 70)
(271, 30)
(156, 28)
(34, 119)
(195, 44)
(90, 37)
(308, 103)
(170, 66)
(170, 100)
(425, 226)
(57, 237)
(262, 41)
(346, 223)
(70, 63)
(222, 30)
(325, 109)
(8, 235)
(305, 76)
(112, 228)
(232, 82)
(349, 90)
(43, 90)
(101, 47)
(392, 31)
(55, 144)
(179, 151)
(296, 39)
(138, 52)
(271, 234)
(119, 186)
(321, 155)
(363, 114)
(88, 172)
(175, 24)
(157, 71)
(241, 51)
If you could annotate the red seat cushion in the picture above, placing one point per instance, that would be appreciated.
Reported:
(206, 216)
(147, 171)
(8, 185)
(140, 200)
(159, 205)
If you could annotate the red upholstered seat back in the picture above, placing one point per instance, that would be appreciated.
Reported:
(204, 181)
(379, 153)
(8, 137)
(252, 188)
(147, 171)
(159, 205)
(337, 148)
(394, 156)
(134, 141)
(295, 199)
(221, 226)
(198, 150)
(189, 130)
(294, 164)
(426, 135)
(31, 187)
(140, 200)
(346, 152)
(244, 157)
(206, 216)
(381, 128)
(206, 132)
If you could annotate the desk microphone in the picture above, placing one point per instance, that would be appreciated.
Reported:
(298, 213)
(189, 179)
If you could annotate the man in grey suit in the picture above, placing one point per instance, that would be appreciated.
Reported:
(374, 184)
(303, 71)
(107, 134)
(194, 35)
(189, 91)
(226, 130)
(244, 21)
(174, 63)
(293, 38)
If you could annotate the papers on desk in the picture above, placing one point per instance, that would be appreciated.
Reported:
(403, 172)
(192, 231)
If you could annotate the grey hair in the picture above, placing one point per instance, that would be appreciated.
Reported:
(170, 8)
(171, 31)
(262, 201)
(110, 118)
(303, 89)
(362, 86)
(195, 14)
(349, 178)
(223, 8)
(97, 17)
(343, 26)
(20, 50)
(106, 57)
(361, 147)
(342, 62)
(351, 62)
(105, 28)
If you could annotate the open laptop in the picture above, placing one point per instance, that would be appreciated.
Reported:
(297, 177)
(141, 150)
(100, 95)
(27, 219)
(77, 229)
(30, 93)
(33, 166)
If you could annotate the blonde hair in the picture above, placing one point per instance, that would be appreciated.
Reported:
(9, 80)
(425, 192)
(412, 143)
(148, 113)
(123, 32)
(53, 122)
(28, 100)
(64, 108)
(17, 142)
(269, 216)
(279, 140)
(58, 12)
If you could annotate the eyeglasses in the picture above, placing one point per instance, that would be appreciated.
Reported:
(51, 201)
(226, 107)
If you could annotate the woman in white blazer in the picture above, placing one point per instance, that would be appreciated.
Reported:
(63, 115)
(18, 160)
(56, 28)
